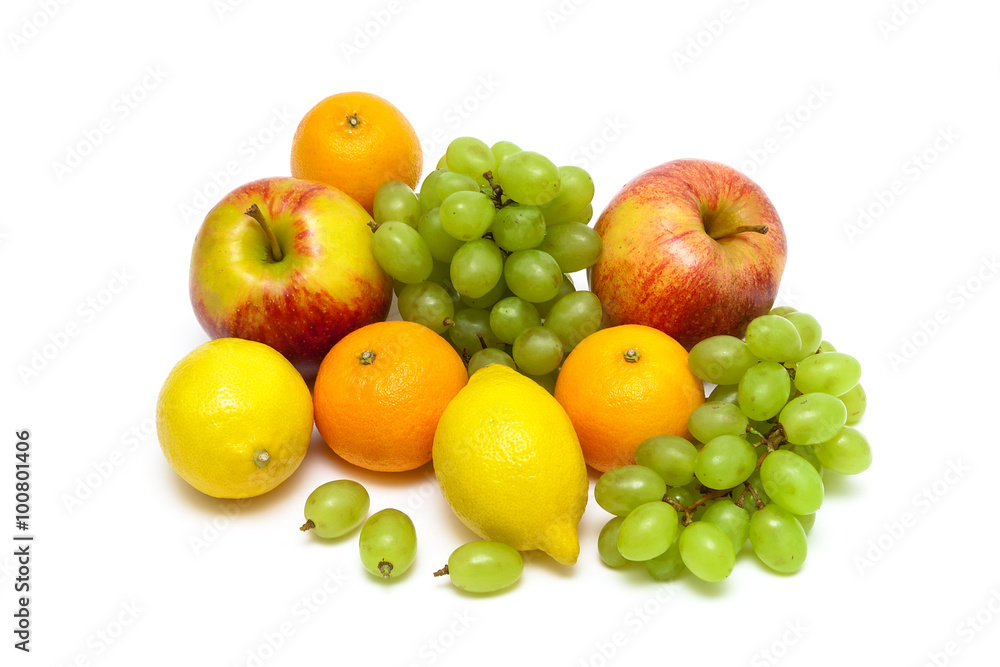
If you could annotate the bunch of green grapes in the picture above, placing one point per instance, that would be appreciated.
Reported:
(781, 416)
(482, 255)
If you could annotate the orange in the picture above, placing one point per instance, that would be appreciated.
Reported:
(356, 142)
(622, 385)
(380, 392)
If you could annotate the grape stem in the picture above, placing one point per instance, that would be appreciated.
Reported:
(308, 525)
(442, 572)
(497, 195)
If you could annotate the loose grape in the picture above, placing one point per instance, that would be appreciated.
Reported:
(427, 303)
(707, 551)
(647, 531)
(467, 215)
(607, 543)
(476, 268)
(721, 359)
(394, 200)
(528, 178)
(773, 338)
(714, 418)
(533, 275)
(670, 456)
(725, 461)
(848, 452)
(518, 227)
(576, 190)
(621, 490)
(792, 482)
(764, 390)
(833, 373)
(484, 567)
(388, 543)
(574, 317)
(856, 403)
(336, 508)
(733, 520)
(402, 252)
(573, 245)
(487, 356)
(537, 351)
(778, 539)
(812, 418)
(511, 316)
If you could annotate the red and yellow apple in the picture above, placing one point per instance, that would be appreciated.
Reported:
(691, 247)
(287, 262)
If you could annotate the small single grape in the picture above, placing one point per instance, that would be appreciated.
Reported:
(336, 508)
(388, 543)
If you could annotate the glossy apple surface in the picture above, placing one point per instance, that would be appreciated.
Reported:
(691, 247)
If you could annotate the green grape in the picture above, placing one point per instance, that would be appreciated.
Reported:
(727, 393)
(451, 182)
(487, 356)
(607, 543)
(441, 244)
(565, 288)
(725, 461)
(502, 149)
(707, 551)
(528, 178)
(778, 539)
(476, 268)
(402, 252)
(574, 317)
(832, 373)
(826, 346)
(576, 190)
(783, 311)
(537, 351)
(791, 482)
(511, 316)
(754, 481)
(483, 567)
(472, 157)
(620, 490)
(684, 495)
(488, 300)
(810, 332)
(764, 390)
(428, 190)
(532, 275)
(808, 452)
(773, 338)
(585, 215)
(394, 200)
(470, 324)
(721, 359)
(442, 163)
(388, 543)
(467, 215)
(812, 418)
(848, 452)
(670, 456)
(714, 418)
(546, 382)
(456, 298)
(733, 520)
(647, 531)
(573, 245)
(427, 303)
(336, 508)
(806, 521)
(518, 227)
(440, 273)
(669, 564)
(856, 403)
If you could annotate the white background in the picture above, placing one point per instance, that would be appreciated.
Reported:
(827, 105)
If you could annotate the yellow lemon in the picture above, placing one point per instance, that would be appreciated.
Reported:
(510, 465)
(234, 418)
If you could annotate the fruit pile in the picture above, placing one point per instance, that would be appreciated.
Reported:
(483, 254)
(501, 375)
(780, 414)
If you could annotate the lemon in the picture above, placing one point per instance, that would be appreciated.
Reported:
(234, 418)
(510, 465)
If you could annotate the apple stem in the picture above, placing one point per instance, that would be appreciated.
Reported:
(255, 213)
(719, 233)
